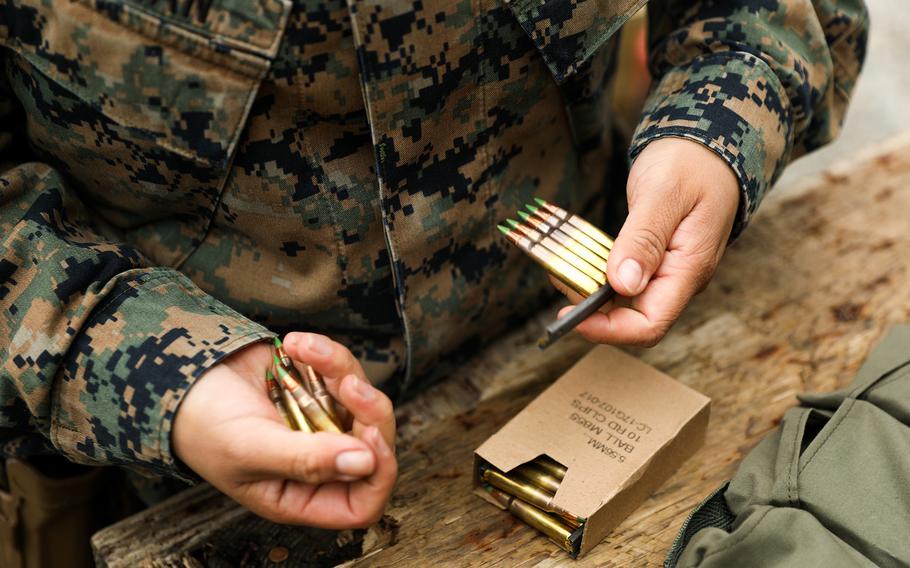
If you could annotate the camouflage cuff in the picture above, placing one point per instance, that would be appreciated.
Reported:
(129, 367)
(733, 104)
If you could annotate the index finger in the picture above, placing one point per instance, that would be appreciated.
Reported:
(345, 381)
(369, 406)
(329, 358)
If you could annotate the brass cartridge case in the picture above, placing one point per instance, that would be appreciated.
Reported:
(538, 477)
(565, 272)
(524, 491)
(275, 396)
(579, 222)
(289, 365)
(549, 525)
(296, 415)
(310, 380)
(570, 230)
(561, 237)
(564, 252)
(309, 405)
(576, 279)
(551, 466)
(319, 392)
(282, 355)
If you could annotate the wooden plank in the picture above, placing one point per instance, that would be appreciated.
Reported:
(795, 306)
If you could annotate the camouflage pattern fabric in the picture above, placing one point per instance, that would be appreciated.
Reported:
(759, 82)
(179, 179)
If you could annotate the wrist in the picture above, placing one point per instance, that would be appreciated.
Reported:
(250, 362)
(697, 171)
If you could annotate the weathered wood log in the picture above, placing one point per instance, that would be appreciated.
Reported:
(796, 305)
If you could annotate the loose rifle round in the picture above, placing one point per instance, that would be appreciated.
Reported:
(313, 382)
(311, 408)
(282, 355)
(319, 392)
(275, 396)
(300, 421)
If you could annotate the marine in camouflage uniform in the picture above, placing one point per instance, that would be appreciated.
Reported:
(180, 179)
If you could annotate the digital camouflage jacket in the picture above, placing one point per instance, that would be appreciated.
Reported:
(181, 178)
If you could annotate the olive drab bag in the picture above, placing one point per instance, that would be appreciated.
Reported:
(829, 488)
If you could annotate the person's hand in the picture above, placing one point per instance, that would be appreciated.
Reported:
(228, 431)
(683, 200)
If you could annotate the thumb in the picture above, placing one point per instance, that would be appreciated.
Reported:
(643, 240)
(312, 458)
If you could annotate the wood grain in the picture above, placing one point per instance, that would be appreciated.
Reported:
(795, 306)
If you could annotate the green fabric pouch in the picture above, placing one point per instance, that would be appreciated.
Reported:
(830, 487)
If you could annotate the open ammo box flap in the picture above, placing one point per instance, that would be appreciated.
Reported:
(611, 420)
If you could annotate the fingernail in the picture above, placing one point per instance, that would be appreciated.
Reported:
(363, 390)
(379, 443)
(630, 275)
(318, 344)
(356, 462)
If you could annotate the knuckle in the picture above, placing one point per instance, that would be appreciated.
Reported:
(368, 517)
(279, 516)
(649, 243)
(393, 475)
(653, 334)
(705, 274)
(384, 405)
(306, 466)
(343, 362)
(650, 340)
(375, 517)
(706, 264)
(352, 364)
(703, 268)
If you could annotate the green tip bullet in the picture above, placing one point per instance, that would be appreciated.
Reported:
(279, 368)
(513, 223)
(504, 230)
(540, 202)
(277, 342)
(523, 216)
(268, 375)
(531, 208)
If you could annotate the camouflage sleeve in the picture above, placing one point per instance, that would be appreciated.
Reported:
(759, 82)
(97, 346)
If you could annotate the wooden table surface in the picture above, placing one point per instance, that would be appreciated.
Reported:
(796, 306)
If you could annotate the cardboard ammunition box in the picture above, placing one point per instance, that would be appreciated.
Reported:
(619, 426)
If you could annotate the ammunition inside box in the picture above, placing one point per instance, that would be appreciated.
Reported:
(527, 493)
